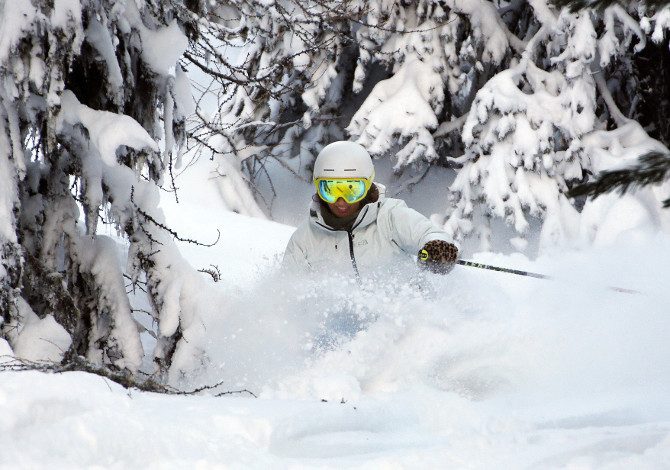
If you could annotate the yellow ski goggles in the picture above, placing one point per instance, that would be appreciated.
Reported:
(350, 189)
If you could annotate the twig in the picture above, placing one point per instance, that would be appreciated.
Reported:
(121, 377)
(213, 271)
(232, 392)
(168, 229)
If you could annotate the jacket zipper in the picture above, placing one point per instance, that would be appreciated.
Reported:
(351, 253)
(350, 235)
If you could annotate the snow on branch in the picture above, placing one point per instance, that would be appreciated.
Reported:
(503, 92)
(403, 107)
(86, 86)
(310, 60)
(529, 135)
(168, 229)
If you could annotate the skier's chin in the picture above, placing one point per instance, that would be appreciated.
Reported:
(341, 211)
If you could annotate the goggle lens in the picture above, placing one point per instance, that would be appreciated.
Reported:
(330, 190)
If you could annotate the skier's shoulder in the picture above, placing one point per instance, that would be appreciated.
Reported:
(387, 210)
(303, 228)
(381, 201)
(388, 207)
(306, 228)
(390, 203)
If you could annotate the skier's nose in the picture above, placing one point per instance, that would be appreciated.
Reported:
(341, 202)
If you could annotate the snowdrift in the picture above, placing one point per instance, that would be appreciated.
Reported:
(473, 370)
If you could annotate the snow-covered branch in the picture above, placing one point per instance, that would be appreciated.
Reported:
(86, 87)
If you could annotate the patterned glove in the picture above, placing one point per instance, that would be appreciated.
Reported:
(438, 256)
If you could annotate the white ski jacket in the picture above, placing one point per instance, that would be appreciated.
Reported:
(384, 233)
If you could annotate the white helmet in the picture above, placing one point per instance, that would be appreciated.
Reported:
(342, 159)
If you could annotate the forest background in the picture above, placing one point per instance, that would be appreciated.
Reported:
(483, 114)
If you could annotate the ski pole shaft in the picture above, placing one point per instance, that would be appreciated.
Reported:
(502, 270)
(518, 272)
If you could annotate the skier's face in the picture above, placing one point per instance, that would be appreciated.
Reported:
(342, 208)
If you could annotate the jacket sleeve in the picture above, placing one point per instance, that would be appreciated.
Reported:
(294, 256)
(410, 230)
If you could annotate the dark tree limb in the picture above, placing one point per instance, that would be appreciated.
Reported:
(168, 229)
(576, 5)
(121, 377)
(651, 168)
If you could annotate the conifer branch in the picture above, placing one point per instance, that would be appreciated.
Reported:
(651, 168)
(577, 5)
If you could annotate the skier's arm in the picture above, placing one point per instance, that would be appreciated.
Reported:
(294, 257)
(411, 230)
(415, 234)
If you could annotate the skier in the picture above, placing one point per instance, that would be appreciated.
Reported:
(352, 226)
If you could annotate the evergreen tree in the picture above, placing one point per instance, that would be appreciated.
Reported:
(92, 114)
(651, 168)
(523, 99)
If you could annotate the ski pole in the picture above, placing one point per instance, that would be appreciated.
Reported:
(502, 270)
(518, 272)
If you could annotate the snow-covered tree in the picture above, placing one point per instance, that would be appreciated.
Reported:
(272, 69)
(92, 111)
(522, 98)
(541, 125)
(651, 168)
(305, 68)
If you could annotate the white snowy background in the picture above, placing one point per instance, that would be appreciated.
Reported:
(476, 369)
(486, 370)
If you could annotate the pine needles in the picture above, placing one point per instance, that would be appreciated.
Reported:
(651, 168)
(576, 5)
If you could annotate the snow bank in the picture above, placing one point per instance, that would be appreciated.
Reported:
(474, 370)
(477, 370)
(42, 340)
(476, 333)
(6, 352)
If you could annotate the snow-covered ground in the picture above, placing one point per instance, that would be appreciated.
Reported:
(474, 370)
